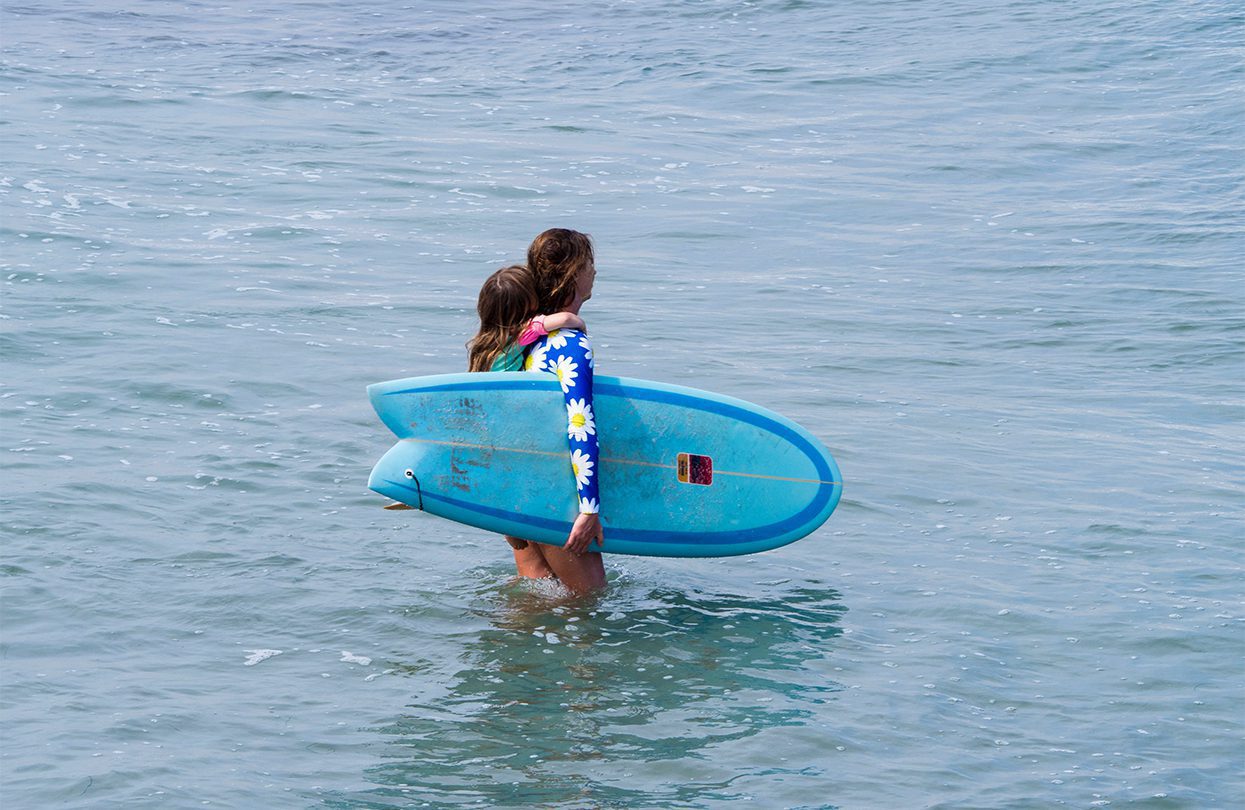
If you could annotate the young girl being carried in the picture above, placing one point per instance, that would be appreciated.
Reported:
(509, 322)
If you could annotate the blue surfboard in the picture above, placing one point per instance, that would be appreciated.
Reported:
(683, 473)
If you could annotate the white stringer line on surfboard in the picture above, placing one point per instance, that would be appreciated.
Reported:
(632, 462)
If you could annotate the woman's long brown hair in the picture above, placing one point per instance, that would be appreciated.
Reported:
(556, 258)
(507, 302)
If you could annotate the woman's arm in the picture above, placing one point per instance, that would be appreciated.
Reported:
(569, 356)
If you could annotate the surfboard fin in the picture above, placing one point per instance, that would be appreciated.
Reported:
(398, 505)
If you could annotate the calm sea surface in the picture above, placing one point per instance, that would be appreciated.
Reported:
(990, 253)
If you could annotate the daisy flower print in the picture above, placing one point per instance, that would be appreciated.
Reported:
(579, 421)
(567, 370)
(536, 358)
(581, 464)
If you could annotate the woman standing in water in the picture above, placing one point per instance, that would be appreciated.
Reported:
(560, 271)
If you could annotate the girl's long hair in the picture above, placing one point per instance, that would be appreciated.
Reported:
(507, 302)
(556, 258)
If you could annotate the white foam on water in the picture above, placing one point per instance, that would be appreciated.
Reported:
(258, 656)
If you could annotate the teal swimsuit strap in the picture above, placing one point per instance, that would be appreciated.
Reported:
(511, 359)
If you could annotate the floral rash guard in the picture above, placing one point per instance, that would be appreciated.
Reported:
(567, 353)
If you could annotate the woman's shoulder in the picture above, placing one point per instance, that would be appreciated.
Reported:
(572, 344)
(559, 338)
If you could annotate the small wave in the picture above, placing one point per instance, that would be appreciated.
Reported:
(259, 656)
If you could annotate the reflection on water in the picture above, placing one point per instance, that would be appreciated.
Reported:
(648, 680)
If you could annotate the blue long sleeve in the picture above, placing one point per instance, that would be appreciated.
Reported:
(567, 353)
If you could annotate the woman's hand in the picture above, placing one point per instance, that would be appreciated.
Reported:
(587, 529)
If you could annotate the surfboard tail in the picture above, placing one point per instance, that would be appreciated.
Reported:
(396, 476)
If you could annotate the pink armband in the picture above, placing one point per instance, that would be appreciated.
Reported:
(534, 331)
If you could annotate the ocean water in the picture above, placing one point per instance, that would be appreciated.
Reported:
(990, 253)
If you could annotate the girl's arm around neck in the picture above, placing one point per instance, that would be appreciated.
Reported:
(542, 325)
(564, 320)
